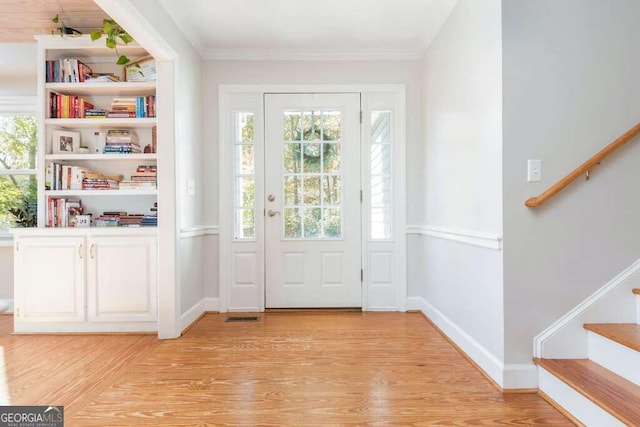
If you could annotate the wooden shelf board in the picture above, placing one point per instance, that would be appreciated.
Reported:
(103, 123)
(616, 395)
(106, 193)
(98, 89)
(114, 156)
(636, 291)
(627, 334)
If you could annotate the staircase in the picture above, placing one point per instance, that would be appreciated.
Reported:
(604, 389)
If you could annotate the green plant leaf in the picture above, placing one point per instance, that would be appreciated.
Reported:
(95, 35)
(122, 60)
(56, 19)
(110, 42)
(107, 24)
(126, 38)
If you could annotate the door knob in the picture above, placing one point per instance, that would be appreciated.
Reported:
(273, 213)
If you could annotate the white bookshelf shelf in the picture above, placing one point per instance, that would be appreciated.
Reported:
(105, 193)
(99, 89)
(102, 123)
(114, 156)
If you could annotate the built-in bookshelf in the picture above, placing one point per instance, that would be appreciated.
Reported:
(96, 131)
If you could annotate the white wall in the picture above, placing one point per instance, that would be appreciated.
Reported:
(18, 69)
(462, 187)
(570, 87)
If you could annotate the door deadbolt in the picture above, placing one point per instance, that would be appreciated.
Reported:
(271, 197)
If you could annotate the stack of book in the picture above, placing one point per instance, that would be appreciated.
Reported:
(123, 108)
(98, 181)
(67, 70)
(107, 219)
(145, 177)
(122, 141)
(132, 107)
(151, 220)
(95, 113)
(101, 78)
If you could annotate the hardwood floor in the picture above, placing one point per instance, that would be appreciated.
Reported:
(299, 369)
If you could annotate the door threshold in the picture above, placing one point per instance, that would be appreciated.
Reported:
(315, 310)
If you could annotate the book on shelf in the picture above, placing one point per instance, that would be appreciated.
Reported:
(66, 70)
(59, 176)
(68, 106)
(62, 212)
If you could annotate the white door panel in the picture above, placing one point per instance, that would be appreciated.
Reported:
(312, 203)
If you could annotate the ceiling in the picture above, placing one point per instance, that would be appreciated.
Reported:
(262, 29)
(21, 19)
(299, 29)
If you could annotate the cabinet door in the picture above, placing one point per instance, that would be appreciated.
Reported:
(122, 279)
(50, 279)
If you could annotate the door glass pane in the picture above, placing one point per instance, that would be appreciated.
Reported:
(244, 159)
(311, 157)
(312, 222)
(312, 190)
(245, 225)
(292, 126)
(331, 189)
(331, 158)
(293, 190)
(312, 175)
(244, 171)
(331, 221)
(331, 126)
(292, 223)
(311, 127)
(381, 173)
(291, 158)
(243, 127)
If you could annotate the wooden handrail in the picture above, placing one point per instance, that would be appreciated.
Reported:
(583, 168)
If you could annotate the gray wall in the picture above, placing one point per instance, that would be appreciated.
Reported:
(570, 87)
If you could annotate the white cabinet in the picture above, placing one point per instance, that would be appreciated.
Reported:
(85, 280)
(49, 279)
(122, 282)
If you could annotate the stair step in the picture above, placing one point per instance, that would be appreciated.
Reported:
(627, 334)
(616, 395)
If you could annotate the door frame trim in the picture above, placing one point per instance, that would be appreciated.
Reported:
(398, 92)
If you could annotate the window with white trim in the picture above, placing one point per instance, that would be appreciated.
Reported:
(18, 162)
(380, 170)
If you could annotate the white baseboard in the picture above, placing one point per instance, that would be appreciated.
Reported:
(570, 325)
(9, 309)
(515, 376)
(192, 314)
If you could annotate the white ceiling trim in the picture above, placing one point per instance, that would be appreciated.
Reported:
(310, 55)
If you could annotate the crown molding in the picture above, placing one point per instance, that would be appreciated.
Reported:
(310, 54)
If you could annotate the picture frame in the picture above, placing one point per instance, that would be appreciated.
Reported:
(141, 70)
(65, 142)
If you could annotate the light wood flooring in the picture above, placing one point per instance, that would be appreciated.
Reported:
(296, 369)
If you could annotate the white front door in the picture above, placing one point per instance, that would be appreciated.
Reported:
(312, 201)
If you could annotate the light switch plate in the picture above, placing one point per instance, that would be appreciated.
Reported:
(534, 170)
